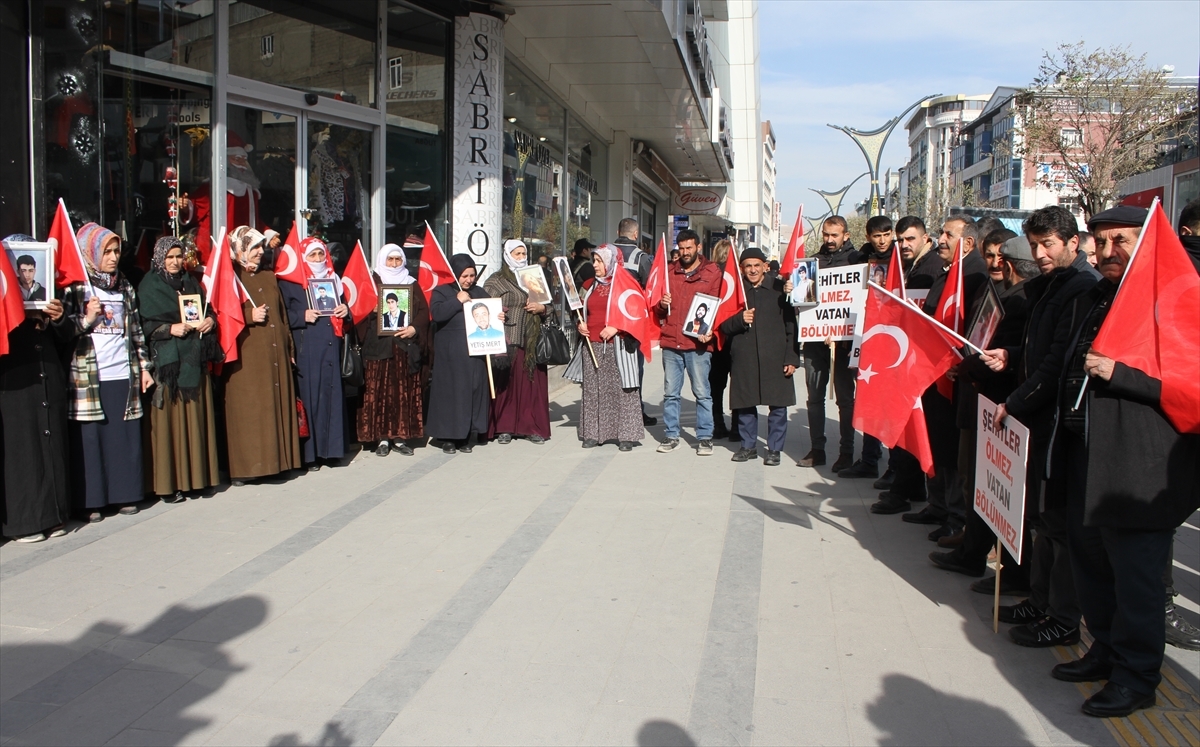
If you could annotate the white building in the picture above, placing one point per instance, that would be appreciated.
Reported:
(932, 131)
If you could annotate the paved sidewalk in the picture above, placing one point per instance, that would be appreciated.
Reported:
(528, 594)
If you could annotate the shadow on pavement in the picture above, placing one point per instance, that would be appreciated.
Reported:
(663, 734)
(137, 685)
(900, 713)
(333, 736)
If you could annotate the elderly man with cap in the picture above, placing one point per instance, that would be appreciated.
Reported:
(1128, 478)
(241, 199)
(763, 355)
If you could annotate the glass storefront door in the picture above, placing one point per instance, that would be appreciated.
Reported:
(269, 139)
(339, 186)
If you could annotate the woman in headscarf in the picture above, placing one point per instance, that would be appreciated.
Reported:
(718, 374)
(318, 359)
(522, 404)
(183, 425)
(261, 430)
(610, 409)
(391, 412)
(110, 369)
(458, 401)
(34, 449)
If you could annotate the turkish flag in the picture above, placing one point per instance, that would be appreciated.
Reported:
(289, 265)
(733, 293)
(225, 298)
(1154, 322)
(894, 281)
(915, 438)
(12, 303)
(627, 311)
(795, 247)
(435, 270)
(902, 354)
(68, 260)
(950, 312)
(659, 283)
(358, 287)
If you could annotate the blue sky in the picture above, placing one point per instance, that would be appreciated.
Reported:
(862, 63)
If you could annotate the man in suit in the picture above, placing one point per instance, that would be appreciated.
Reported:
(324, 301)
(393, 318)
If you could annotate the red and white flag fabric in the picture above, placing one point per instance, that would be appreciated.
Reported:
(659, 282)
(12, 303)
(950, 311)
(68, 260)
(1154, 322)
(435, 270)
(358, 287)
(902, 354)
(225, 297)
(733, 293)
(628, 312)
(894, 281)
(795, 247)
(289, 265)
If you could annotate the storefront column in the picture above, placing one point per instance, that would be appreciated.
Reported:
(218, 115)
(620, 182)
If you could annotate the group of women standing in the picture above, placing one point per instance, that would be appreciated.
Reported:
(108, 394)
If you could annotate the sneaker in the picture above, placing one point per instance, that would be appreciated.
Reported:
(704, 448)
(383, 449)
(668, 445)
(1020, 614)
(504, 438)
(924, 516)
(844, 462)
(1044, 633)
(886, 481)
(952, 561)
(744, 455)
(859, 469)
(1180, 632)
(890, 505)
(771, 459)
(30, 538)
(813, 458)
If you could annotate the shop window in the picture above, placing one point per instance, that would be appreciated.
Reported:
(14, 129)
(339, 185)
(268, 166)
(533, 167)
(587, 183)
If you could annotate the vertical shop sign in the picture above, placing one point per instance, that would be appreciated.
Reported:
(478, 138)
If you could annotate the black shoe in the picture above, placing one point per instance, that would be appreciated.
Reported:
(844, 462)
(504, 438)
(536, 439)
(403, 448)
(1180, 632)
(813, 458)
(1087, 669)
(942, 531)
(890, 505)
(952, 561)
(314, 468)
(467, 448)
(885, 482)
(383, 449)
(590, 443)
(626, 445)
(1044, 633)
(924, 516)
(1018, 614)
(859, 469)
(744, 455)
(449, 448)
(1116, 701)
(1007, 587)
(237, 483)
(771, 459)
(647, 420)
(179, 497)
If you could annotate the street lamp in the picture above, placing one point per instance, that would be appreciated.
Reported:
(871, 144)
(834, 199)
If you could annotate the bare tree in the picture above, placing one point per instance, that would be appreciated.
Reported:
(1097, 118)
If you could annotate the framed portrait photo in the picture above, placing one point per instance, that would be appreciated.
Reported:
(878, 273)
(567, 282)
(323, 295)
(485, 330)
(394, 309)
(191, 310)
(805, 290)
(987, 318)
(701, 315)
(33, 263)
(533, 281)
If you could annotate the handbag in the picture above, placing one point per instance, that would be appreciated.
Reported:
(552, 346)
(352, 366)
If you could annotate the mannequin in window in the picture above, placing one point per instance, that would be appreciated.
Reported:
(335, 178)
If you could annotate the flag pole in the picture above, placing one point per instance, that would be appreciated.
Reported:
(1132, 256)
(996, 600)
(666, 273)
(78, 252)
(927, 318)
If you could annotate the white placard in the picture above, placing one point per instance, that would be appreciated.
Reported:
(839, 313)
(1001, 454)
(484, 328)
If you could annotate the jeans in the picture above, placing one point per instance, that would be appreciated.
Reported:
(816, 377)
(697, 365)
(747, 423)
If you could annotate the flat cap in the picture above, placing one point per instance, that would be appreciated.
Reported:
(1017, 248)
(752, 253)
(1121, 215)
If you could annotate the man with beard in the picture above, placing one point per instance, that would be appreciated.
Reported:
(998, 270)
(241, 200)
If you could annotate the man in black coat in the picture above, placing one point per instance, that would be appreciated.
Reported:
(763, 357)
(1129, 479)
(637, 263)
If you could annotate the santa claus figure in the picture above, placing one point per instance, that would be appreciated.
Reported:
(241, 199)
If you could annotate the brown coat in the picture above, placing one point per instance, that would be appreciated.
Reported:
(260, 396)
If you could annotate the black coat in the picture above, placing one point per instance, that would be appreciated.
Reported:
(319, 377)
(759, 352)
(983, 380)
(924, 271)
(458, 398)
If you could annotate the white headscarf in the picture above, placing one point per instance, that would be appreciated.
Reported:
(392, 275)
(323, 269)
(510, 246)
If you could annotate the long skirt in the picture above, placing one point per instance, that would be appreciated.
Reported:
(183, 443)
(522, 407)
(108, 453)
(391, 401)
(607, 412)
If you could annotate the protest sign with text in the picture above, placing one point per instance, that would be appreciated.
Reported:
(839, 312)
(1001, 455)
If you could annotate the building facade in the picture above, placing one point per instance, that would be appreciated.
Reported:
(932, 130)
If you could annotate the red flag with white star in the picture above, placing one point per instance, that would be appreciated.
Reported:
(435, 270)
(658, 284)
(358, 286)
(627, 311)
(950, 311)
(733, 293)
(795, 247)
(12, 303)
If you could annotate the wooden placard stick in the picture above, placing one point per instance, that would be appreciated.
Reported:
(491, 380)
(832, 359)
(996, 601)
(592, 350)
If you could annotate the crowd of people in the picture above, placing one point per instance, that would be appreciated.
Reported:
(113, 392)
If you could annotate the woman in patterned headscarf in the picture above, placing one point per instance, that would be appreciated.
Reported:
(183, 428)
(110, 370)
(611, 407)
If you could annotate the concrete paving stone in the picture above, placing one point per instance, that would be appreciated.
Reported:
(208, 701)
(247, 730)
(144, 738)
(626, 725)
(799, 720)
(436, 727)
(549, 704)
(798, 667)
